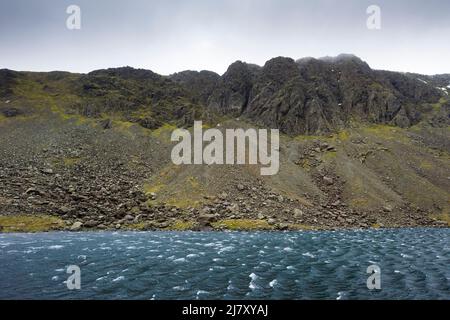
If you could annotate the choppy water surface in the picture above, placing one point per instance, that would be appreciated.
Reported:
(415, 264)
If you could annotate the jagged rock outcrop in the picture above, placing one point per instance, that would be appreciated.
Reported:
(200, 84)
(319, 95)
(7, 80)
(232, 92)
(141, 95)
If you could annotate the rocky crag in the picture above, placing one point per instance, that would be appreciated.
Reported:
(360, 148)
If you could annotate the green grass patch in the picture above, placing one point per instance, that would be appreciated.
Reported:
(445, 216)
(359, 203)
(30, 223)
(242, 225)
(139, 226)
(386, 132)
(300, 227)
(305, 164)
(343, 135)
(330, 155)
(70, 162)
(180, 225)
(426, 165)
(164, 130)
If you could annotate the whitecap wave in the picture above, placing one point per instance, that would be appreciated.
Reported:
(119, 279)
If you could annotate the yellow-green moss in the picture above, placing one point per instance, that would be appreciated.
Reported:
(330, 155)
(184, 202)
(329, 138)
(164, 132)
(426, 165)
(343, 135)
(359, 203)
(242, 224)
(152, 188)
(29, 223)
(180, 225)
(140, 226)
(122, 125)
(30, 90)
(305, 164)
(444, 216)
(193, 182)
(77, 119)
(69, 162)
(186, 193)
(386, 132)
(299, 227)
(437, 106)
(142, 113)
(377, 86)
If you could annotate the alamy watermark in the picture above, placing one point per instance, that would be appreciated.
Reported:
(73, 22)
(374, 20)
(74, 280)
(374, 280)
(234, 150)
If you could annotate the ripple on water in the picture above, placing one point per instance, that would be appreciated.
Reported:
(56, 247)
(120, 278)
(209, 265)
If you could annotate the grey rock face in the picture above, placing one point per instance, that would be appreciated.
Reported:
(233, 91)
(314, 96)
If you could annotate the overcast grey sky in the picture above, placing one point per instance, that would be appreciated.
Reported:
(173, 35)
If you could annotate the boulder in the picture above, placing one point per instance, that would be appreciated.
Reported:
(328, 180)
(76, 226)
(91, 224)
(298, 213)
(12, 112)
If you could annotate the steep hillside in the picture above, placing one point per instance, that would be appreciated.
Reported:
(360, 148)
(319, 96)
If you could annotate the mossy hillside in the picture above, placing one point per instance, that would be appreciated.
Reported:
(164, 132)
(386, 176)
(444, 216)
(66, 162)
(149, 100)
(100, 95)
(386, 132)
(332, 138)
(175, 186)
(364, 190)
(422, 165)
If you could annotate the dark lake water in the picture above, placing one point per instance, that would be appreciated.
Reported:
(414, 263)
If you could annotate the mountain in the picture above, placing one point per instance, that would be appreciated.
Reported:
(359, 148)
(315, 96)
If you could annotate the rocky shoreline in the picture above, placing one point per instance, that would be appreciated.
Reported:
(39, 224)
